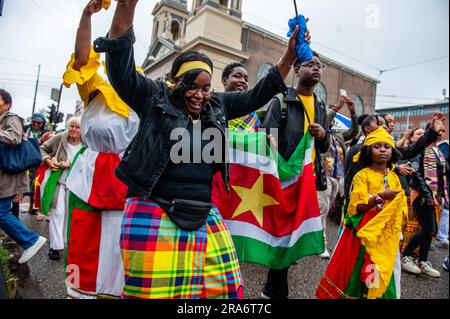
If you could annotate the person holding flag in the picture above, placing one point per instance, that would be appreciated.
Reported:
(97, 198)
(305, 112)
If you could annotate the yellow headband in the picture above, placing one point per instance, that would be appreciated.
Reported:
(189, 66)
(380, 135)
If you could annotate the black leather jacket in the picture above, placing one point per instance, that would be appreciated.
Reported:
(148, 154)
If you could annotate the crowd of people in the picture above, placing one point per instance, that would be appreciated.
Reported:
(138, 225)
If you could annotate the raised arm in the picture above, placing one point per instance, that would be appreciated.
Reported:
(83, 40)
(123, 18)
(133, 88)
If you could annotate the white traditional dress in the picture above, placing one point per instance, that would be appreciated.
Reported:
(94, 266)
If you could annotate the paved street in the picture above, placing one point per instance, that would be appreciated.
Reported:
(46, 277)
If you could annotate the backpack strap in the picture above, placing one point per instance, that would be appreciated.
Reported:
(283, 105)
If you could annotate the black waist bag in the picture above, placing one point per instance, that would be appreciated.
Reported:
(186, 214)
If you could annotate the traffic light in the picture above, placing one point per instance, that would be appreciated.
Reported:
(51, 113)
(59, 118)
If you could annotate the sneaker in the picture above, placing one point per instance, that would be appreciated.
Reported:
(427, 269)
(264, 296)
(53, 254)
(325, 254)
(445, 264)
(442, 243)
(40, 217)
(432, 246)
(409, 265)
(30, 252)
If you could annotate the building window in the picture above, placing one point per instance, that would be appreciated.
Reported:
(321, 92)
(224, 3)
(359, 105)
(263, 70)
(175, 30)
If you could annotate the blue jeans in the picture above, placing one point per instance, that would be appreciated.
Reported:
(14, 227)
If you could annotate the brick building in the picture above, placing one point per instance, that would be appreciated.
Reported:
(408, 117)
(215, 28)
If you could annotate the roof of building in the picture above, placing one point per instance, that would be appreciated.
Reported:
(428, 105)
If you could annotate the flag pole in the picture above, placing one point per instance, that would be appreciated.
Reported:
(296, 10)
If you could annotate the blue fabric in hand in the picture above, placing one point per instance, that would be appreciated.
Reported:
(304, 52)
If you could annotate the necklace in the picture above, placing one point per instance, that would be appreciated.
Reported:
(195, 121)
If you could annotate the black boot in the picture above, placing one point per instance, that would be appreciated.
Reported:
(53, 254)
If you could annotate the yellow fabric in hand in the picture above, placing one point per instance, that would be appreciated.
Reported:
(88, 81)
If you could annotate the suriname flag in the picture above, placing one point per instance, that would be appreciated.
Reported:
(272, 210)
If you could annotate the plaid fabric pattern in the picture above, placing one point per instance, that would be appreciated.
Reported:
(248, 123)
(163, 261)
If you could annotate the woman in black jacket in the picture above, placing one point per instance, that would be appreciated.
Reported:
(174, 242)
(430, 183)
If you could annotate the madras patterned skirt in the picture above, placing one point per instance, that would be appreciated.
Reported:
(163, 261)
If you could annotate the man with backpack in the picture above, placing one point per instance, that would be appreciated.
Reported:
(293, 115)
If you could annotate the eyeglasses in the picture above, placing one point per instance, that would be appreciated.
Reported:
(205, 91)
(311, 65)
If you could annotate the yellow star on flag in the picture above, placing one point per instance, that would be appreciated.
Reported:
(254, 200)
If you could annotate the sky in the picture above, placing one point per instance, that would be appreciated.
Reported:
(367, 35)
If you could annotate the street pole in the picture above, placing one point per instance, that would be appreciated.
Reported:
(57, 106)
(35, 90)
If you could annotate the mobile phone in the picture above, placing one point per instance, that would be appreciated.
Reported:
(343, 92)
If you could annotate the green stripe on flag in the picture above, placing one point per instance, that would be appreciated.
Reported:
(49, 191)
(255, 251)
(256, 143)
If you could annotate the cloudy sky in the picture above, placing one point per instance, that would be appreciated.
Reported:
(367, 35)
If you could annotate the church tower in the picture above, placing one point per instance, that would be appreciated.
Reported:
(169, 20)
(215, 28)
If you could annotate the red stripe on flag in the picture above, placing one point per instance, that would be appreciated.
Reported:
(298, 202)
(108, 192)
(40, 175)
(340, 268)
(84, 247)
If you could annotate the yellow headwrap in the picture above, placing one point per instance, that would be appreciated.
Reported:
(189, 66)
(380, 135)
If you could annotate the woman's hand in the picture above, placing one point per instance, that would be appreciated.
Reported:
(52, 164)
(64, 164)
(92, 7)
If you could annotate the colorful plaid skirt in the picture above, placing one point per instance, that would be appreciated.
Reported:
(163, 261)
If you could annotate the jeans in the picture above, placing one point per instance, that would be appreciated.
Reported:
(13, 226)
(427, 220)
(442, 234)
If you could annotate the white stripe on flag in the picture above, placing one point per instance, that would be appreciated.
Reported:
(44, 181)
(262, 163)
(81, 175)
(110, 274)
(239, 228)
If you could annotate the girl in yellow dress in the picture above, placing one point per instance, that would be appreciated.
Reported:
(365, 263)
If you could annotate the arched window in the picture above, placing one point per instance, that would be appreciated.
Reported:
(359, 104)
(321, 92)
(175, 30)
(263, 70)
